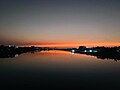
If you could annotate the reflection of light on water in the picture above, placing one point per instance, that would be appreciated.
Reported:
(16, 55)
(56, 52)
(73, 53)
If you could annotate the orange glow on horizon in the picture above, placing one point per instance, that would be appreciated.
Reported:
(77, 45)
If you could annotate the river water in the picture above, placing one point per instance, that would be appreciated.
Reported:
(58, 69)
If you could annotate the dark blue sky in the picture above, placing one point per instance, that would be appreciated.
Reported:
(60, 21)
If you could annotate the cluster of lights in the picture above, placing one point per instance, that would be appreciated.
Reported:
(90, 51)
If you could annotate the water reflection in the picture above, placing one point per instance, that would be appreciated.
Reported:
(55, 68)
(98, 56)
(13, 55)
(58, 60)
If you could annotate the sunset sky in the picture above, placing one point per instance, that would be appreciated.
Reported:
(66, 23)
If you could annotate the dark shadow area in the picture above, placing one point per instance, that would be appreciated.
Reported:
(59, 80)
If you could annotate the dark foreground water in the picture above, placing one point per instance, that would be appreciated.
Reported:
(58, 69)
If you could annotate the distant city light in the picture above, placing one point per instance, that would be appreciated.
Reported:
(95, 51)
(73, 51)
(90, 50)
(16, 46)
(9, 45)
(85, 51)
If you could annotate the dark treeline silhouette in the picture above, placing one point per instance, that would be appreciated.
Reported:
(101, 52)
(10, 51)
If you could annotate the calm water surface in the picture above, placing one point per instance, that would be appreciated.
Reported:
(58, 69)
